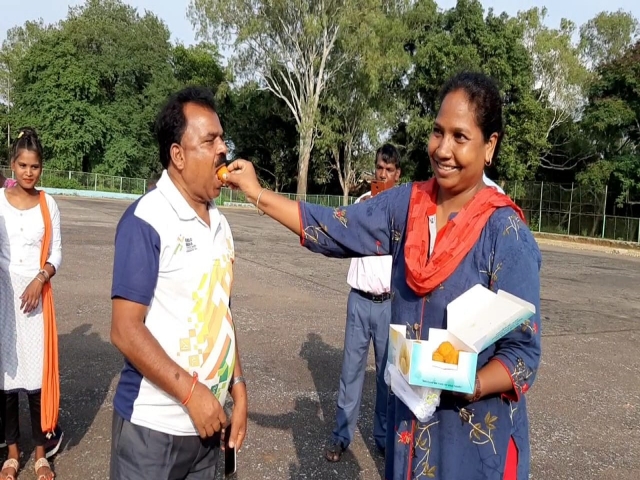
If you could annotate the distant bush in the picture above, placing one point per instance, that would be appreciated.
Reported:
(57, 182)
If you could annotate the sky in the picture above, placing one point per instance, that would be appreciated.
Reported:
(174, 12)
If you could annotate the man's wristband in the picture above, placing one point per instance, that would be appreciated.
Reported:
(236, 380)
(193, 387)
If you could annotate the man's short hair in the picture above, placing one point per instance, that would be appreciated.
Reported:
(388, 154)
(171, 121)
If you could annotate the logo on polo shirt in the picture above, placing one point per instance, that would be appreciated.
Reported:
(190, 245)
(185, 243)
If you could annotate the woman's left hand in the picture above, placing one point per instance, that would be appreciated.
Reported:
(31, 296)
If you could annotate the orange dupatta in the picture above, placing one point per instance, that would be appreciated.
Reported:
(50, 394)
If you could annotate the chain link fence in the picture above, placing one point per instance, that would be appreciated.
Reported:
(87, 181)
(548, 207)
(573, 210)
(230, 197)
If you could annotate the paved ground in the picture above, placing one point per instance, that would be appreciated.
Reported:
(289, 306)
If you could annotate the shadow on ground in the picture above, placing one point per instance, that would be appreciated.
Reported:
(312, 419)
(88, 366)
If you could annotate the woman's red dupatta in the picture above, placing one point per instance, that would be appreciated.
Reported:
(456, 239)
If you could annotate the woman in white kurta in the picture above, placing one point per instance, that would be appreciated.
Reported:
(21, 282)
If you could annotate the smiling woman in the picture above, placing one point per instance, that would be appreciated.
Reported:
(466, 134)
(30, 256)
(445, 236)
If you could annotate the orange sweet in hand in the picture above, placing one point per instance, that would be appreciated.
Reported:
(223, 174)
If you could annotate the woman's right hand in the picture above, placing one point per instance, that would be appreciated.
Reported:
(243, 176)
(31, 296)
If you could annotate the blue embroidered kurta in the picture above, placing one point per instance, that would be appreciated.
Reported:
(462, 441)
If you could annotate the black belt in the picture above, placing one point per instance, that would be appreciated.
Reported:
(374, 298)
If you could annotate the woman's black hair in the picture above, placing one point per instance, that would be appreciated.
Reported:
(483, 93)
(27, 139)
(171, 121)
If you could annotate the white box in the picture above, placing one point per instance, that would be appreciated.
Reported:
(475, 320)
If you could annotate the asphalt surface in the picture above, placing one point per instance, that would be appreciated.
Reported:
(289, 307)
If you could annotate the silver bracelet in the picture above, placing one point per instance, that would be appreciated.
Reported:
(260, 212)
(236, 380)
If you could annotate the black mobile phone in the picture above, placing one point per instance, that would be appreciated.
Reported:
(229, 454)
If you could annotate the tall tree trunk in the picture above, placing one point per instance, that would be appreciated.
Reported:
(347, 175)
(304, 155)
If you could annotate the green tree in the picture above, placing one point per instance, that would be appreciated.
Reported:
(13, 49)
(563, 74)
(607, 37)
(201, 65)
(289, 46)
(357, 107)
(560, 80)
(261, 128)
(612, 122)
(4, 123)
(464, 38)
(92, 86)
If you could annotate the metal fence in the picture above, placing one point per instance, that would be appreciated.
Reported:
(87, 181)
(228, 196)
(573, 210)
(548, 207)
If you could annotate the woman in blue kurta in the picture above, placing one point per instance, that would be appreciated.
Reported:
(445, 235)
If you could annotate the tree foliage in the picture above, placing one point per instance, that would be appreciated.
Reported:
(291, 48)
(607, 36)
(92, 86)
(613, 120)
(313, 88)
(263, 130)
(442, 43)
(357, 108)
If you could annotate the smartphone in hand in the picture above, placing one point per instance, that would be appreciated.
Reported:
(229, 454)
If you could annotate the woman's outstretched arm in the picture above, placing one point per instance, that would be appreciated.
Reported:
(368, 228)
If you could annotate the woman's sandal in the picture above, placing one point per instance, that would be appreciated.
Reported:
(14, 464)
(333, 452)
(44, 463)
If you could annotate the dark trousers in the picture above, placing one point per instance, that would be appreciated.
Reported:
(9, 405)
(367, 321)
(138, 453)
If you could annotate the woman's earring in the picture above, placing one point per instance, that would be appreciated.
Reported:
(487, 163)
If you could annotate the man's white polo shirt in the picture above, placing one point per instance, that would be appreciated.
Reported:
(167, 258)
